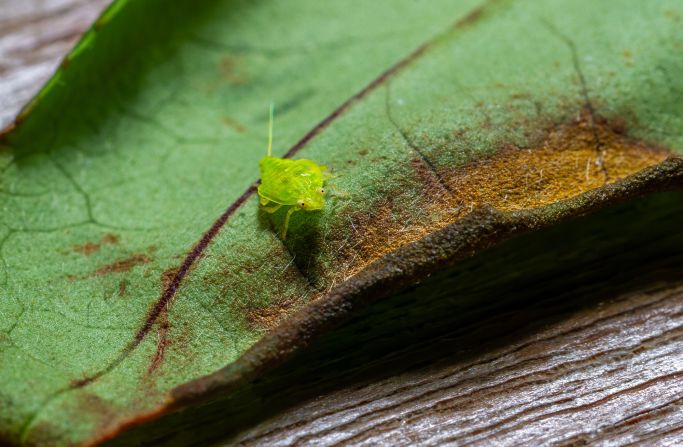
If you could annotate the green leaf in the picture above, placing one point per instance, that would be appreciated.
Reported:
(134, 256)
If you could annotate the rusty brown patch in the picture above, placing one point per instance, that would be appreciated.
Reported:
(427, 177)
(475, 15)
(564, 164)
(233, 290)
(110, 238)
(123, 265)
(167, 277)
(231, 69)
(80, 383)
(234, 125)
(268, 317)
(385, 229)
(162, 342)
(89, 248)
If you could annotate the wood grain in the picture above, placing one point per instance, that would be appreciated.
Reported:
(34, 37)
(610, 374)
(606, 373)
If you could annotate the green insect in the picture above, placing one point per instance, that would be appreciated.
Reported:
(297, 184)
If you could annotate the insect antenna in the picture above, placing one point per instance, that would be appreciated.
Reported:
(270, 130)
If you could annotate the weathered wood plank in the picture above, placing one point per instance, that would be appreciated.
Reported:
(610, 374)
(34, 37)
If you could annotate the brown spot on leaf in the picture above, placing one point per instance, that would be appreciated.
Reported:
(475, 15)
(560, 165)
(231, 69)
(123, 265)
(618, 125)
(89, 248)
(110, 238)
(234, 125)
(168, 276)
(269, 317)
(233, 293)
(80, 383)
(564, 165)
(427, 177)
(163, 341)
(181, 348)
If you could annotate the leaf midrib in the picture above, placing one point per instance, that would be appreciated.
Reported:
(207, 237)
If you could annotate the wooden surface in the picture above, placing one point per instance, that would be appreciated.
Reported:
(34, 37)
(609, 372)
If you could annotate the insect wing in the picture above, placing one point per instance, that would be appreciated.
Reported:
(278, 181)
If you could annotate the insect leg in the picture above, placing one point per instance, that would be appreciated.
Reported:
(289, 214)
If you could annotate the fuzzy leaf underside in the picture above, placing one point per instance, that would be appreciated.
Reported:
(134, 257)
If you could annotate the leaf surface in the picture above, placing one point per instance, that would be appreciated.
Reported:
(134, 256)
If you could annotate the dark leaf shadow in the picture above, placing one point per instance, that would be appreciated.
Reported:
(489, 301)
